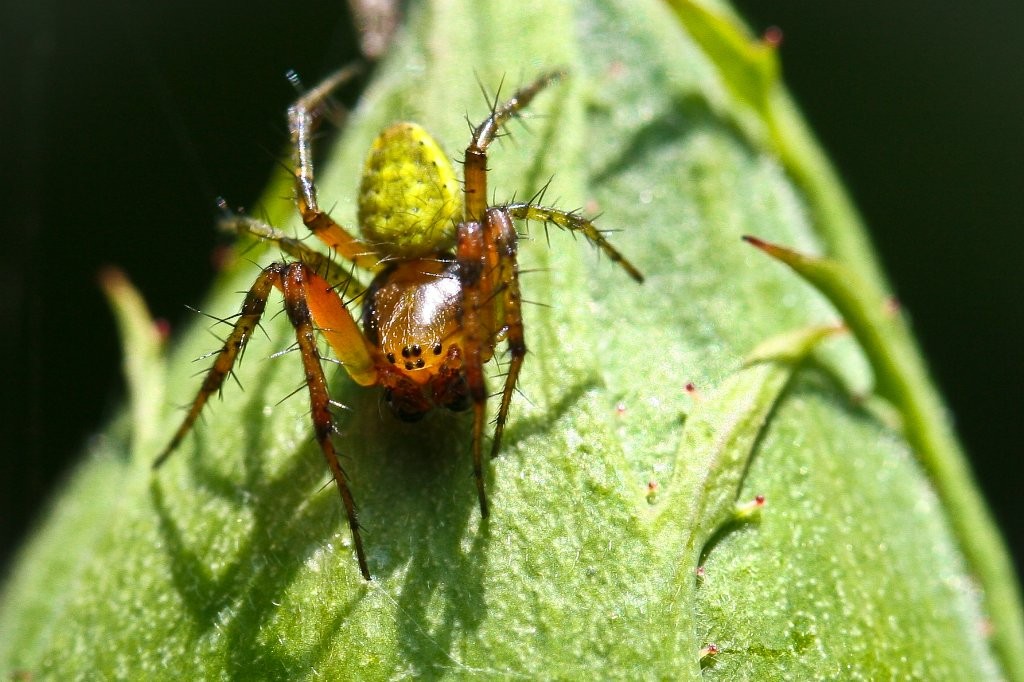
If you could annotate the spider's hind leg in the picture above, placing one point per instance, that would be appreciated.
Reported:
(303, 119)
(341, 278)
(574, 222)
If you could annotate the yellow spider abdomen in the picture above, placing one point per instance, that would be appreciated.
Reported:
(410, 197)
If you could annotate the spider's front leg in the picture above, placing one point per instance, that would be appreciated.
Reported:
(475, 161)
(301, 286)
(492, 305)
(477, 320)
(482, 270)
(489, 277)
(248, 319)
(303, 289)
(508, 302)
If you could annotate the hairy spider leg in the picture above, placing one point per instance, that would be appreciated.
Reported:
(475, 161)
(574, 222)
(302, 289)
(478, 318)
(248, 318)
(341, 279)
(480, 269)
(303, 119)
(476, 177)
(306, 300)
(503, 235)
(486, 252)
(492, 308)
(363, 361)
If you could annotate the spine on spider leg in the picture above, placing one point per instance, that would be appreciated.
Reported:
(500, 114)
(252, 309)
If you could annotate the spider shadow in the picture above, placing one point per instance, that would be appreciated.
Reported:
(524, 427)
(265, 560)
(427, 488)
(418, 506)
(420, 518)
(416, 496)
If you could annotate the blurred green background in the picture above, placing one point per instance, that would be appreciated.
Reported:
(122, 122)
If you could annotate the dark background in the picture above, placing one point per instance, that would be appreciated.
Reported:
(123, 121)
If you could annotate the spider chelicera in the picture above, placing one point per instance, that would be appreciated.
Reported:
(445, 289)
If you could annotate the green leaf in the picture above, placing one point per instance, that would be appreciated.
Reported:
(615, 483)
(901, 377)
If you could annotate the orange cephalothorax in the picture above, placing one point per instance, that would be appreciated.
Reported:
(412, 313)
(445, 293)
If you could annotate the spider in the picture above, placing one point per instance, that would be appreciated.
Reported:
(444, 294)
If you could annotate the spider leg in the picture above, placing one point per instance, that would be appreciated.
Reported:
(339, 277)
(507, 296)
(478, 314)
(303, 119)
(574, 222)
(363, 362)
(299, 284)
(295, 281)
(249, 317)
(475, 163)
